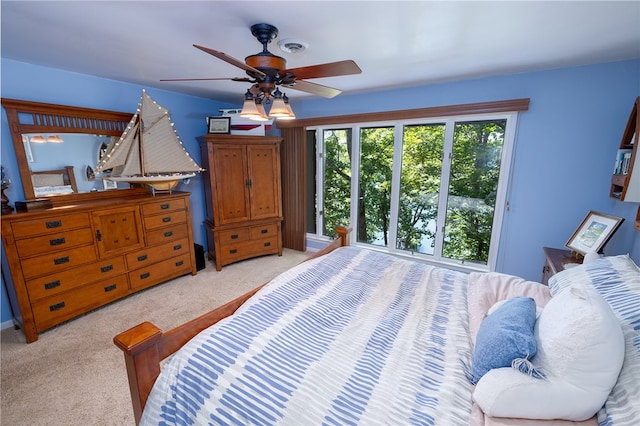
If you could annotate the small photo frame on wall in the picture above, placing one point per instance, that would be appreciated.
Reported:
(219, 124)
(593, 233)
(109, 184)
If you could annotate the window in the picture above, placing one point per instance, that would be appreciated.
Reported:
(432, 188)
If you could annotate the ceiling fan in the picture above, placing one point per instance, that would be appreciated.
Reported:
(266, 71)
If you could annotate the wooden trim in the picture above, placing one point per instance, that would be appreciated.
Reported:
(294, 194)
(145, 345)
(440, 111)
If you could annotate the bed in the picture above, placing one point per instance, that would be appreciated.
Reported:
(54, 182)
(354, 336)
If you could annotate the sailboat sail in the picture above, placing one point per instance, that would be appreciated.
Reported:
(149, 150)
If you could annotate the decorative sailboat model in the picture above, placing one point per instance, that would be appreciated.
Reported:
(149, 152)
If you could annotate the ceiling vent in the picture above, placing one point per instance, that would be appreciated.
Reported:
(290, 45)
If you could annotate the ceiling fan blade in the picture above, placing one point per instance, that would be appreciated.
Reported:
(205, 79)
(231, 60)
(314, 88)
(331, 69)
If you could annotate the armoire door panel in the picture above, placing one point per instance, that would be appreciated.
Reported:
(232, 184)
(264, 172)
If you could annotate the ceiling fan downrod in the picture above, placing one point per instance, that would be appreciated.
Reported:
(264, 33)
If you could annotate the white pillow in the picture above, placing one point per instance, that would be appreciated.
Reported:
(580, 350)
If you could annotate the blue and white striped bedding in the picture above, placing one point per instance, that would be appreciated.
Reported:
(356, 337)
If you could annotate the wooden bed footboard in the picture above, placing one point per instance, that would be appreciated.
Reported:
(145, 345)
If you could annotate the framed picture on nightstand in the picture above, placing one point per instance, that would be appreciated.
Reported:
(593, 233)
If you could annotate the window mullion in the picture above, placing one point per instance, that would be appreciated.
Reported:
(355, 181)
(444, 187)
(396, 173)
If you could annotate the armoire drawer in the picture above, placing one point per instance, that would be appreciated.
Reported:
(170, 233)
(152, 255)
(263, 231)
(48, 225)
(54, 242)
(161, 271)
(234, 236)
(243, 250)
(162, 220)
(164, 206)
(59, 282)
(55, 309)
(58, 261)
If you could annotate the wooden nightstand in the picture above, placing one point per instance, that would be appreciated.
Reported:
(556, 261)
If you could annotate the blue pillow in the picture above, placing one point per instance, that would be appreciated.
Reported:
(504, 336)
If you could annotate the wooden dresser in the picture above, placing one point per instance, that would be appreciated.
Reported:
(243, 196)
(68, 260)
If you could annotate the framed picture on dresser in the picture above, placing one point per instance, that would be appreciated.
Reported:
(593, 233)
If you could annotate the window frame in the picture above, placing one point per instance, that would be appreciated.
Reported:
(450, 121)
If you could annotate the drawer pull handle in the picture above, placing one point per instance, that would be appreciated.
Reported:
(234, 236)
(164, 206)
(145, 275)
(106, 268)
(180, 263)
(110, 288)
(98, 235)
(267, 244)
(168, 233)
(177, 247)
(52, 284)
(142, 257)
(233, 251)
(166, 219)
(56, 307)
(54, 224)
(264, 231)
(57, 241)
(61, 260)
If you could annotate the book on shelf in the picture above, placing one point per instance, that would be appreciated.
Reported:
(623, 160)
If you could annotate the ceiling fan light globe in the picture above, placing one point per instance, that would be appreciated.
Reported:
(249, 109)
(262, 115)
(278, 109)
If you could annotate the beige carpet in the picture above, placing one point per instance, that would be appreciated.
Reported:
(74, 375)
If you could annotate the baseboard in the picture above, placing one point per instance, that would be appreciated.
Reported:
(6, 324)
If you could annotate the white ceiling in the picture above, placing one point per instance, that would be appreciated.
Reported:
(395, 43)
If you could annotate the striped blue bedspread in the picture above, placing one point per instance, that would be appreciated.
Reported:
(356, 337)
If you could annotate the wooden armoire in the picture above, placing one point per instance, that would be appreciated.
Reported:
(243, 196)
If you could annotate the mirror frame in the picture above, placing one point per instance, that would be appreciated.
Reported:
(53, 118)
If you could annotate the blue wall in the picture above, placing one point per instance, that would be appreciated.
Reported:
(564, 153)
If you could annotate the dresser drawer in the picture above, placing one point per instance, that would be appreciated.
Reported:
(264, 231)
(55, 309)
(36, 227)
(59, 261)
(54, 242)
(170, 218)
(154, 254)
(243, 250)
(164, 206)
(159, 272)
(59, 282)
(170, 233)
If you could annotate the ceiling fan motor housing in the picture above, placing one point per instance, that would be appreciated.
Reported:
(265, 61)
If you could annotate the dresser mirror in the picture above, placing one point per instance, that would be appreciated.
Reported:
(58, 146)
